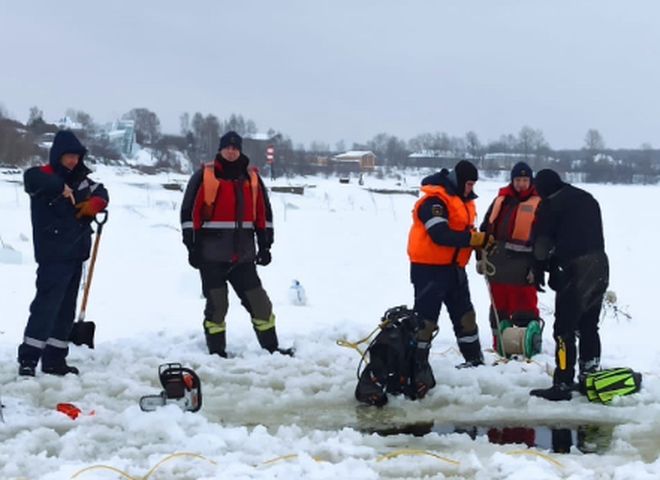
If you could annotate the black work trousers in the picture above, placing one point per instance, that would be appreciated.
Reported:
(244, 280)
(437, 285)
(580, 287)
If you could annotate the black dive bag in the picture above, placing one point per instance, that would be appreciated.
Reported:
(391, 358)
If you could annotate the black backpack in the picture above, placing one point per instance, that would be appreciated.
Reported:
(391, 358)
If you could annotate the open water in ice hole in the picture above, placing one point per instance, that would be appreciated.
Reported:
(586, 438)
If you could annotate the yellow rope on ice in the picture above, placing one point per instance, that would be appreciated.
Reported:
(174, 455)
(445, 352)
(290, 456)
(342, 342)
(534, 453)
(149, 473)
(398, 453)
(103, 467)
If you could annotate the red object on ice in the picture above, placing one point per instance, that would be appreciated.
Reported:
(69, 409)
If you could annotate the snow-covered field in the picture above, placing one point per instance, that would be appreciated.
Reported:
(275, 417)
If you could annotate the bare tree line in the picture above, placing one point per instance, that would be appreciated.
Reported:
(199, 134)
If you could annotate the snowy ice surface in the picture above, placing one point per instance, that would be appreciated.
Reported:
(347, 246)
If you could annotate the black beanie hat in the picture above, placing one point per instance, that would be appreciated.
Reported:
(465, 172)
(231, 138)
(521, 169)
(547, 182)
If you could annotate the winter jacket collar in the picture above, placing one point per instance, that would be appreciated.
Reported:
(447, 179)
(509, 191)
(231, 170)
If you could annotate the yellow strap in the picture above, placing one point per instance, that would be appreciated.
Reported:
(354, 345)
(561, 354)
(263, 325)
(214, 328)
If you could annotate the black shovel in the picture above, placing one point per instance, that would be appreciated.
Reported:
(82, 332)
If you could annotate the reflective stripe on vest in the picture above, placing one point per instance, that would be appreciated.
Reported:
(523, 218)
(228, 225)
(461, 217)
(211, 185)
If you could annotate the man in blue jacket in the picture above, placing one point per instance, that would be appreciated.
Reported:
(63, 202)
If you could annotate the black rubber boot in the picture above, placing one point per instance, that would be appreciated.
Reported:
(60, 369)
(27, 368)
(290, 352)
(471, 353)
(267, 339)
(556, 393)
(217, 344)
(471, 362)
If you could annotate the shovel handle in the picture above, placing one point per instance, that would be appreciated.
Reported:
(100, 220)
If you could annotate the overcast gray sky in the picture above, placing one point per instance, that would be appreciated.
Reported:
(345, 69)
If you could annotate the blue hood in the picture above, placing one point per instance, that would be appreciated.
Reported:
(66, 142)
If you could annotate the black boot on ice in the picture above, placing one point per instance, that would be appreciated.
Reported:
(471, 363)
(216, 343)
(556, 393)
(60, 369)
(290, 352)
(27, 368)
(268, 341)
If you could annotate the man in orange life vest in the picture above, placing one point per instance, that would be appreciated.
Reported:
(224, 208)
(440, 242)
(510, 219)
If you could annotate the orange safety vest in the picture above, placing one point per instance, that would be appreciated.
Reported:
(211, 184)
(524, 216)
(461, 217)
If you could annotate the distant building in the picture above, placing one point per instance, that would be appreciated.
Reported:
(121, 136)
(436, 159)
(255, 145)
(355, 161)
(318, 160)
(258, 136)
(67, 123)
(504, 161)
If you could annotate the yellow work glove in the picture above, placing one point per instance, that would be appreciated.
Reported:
(478, 239)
